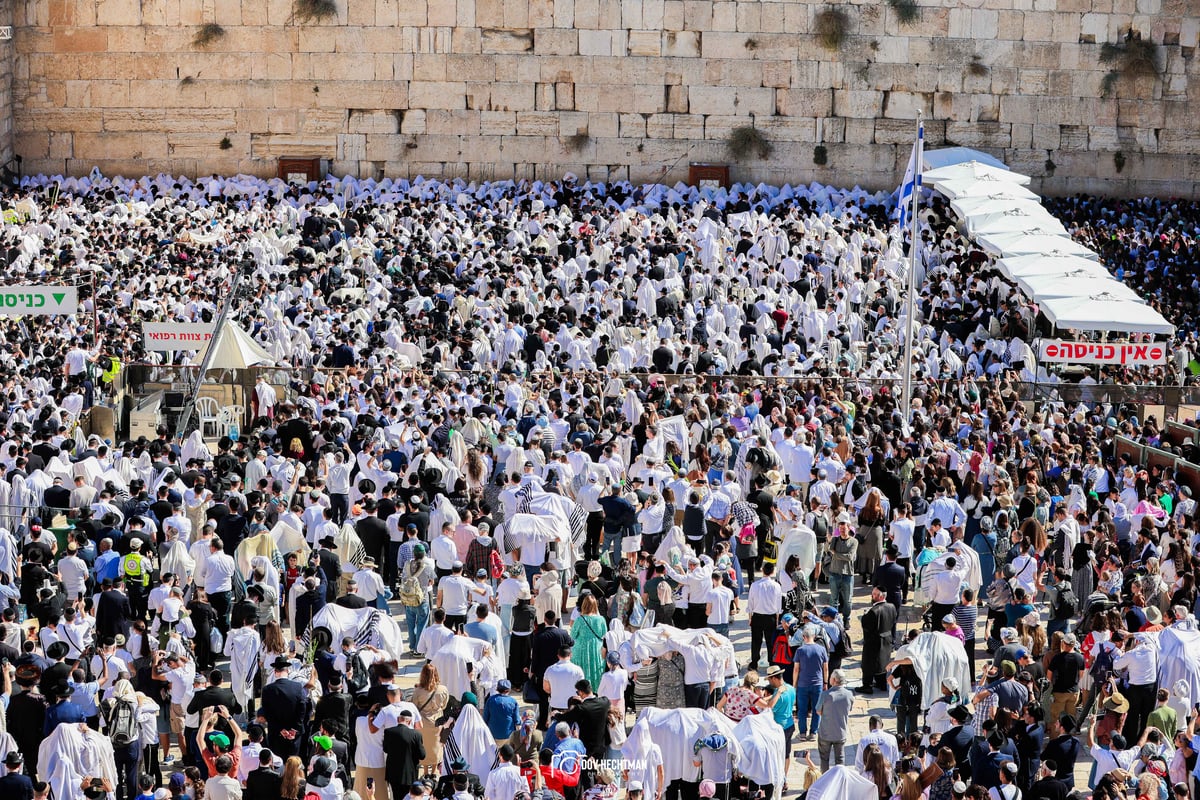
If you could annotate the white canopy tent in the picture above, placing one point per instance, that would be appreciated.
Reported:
(1044, 287)
(969, 205)
(1013, 221)
(969, 187)
(234, 349)
(1017, 266)
(950, 156)
(1033, 243)
(1104, 312)
(974, 170)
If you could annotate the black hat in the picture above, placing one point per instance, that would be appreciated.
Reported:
(13, 759)
(281, 662)
(328, 542)
(63, 690)
(322, 772)
(959, 713)
(57, 650)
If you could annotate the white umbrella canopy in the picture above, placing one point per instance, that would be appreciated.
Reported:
(970, 187)
(233, 349)
(993, 204)
(976, 170)
(1019, 266)
(1075, 284)
(1104, 312)
(949, 156)
(1013, 221)
(1034, 242)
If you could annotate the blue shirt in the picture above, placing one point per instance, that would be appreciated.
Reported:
(85, 697)
(811, 658)
(107, 565)
(502, 715)
(784, 706)
(60, 713)
(482, 631)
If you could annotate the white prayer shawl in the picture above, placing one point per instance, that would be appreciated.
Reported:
(290, 540)
(673, 541)
(1179, 656)
(675, 731)
(631, 407)
(475, 742)
(363, 625)
(349, 548)
(674, 429)
(242, 647)
(843, 783)
(194, 447)
(441, 512)
(761, 742)
(176, 559)
(799, 540)
(8, 555)
(68, 755)
(7, 744)
(452, 659)
(653, 642)
(249, 550)
(935, 657)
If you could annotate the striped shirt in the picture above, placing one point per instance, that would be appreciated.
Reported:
(966, 617)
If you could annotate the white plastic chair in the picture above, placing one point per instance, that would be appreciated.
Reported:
(226, 420)
(210, 414)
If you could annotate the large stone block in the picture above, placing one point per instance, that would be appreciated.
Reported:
(712, 100)
(857, 103)
(434, 94)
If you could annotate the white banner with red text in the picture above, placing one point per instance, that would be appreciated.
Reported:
(1129, 354)
(168, 336)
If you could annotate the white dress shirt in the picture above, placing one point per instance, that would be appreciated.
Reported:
(1142, 663)
(505, 783)
(562, 677)
(766, 597)
(444, 552)
(218, 573)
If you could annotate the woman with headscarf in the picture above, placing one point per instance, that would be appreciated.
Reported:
(526, 739)
(870, 535)
(430, 697)
(588, 630)
(519, 644)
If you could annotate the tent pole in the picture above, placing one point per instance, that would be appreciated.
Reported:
(190, 406)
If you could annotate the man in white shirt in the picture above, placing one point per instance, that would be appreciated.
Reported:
(559, 681)
(696, 582)
(218, 582)
(454, 596)
(436, 635)
(943, 589)
(719, 602)
(764, 606)
(369, 584)
(73, 571)
(1141, 662)
(703, 667)
(505, 782)
(444, 550)
(337, 481)
(877, 736)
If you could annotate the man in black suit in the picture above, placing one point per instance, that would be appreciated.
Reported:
(960, 738)
(113, 612)
(285, 708)
(57, 496)
(264, 781)
(373, 532)
(591, 715)
(878, 624)
(350, 599)
(544, 646)
(404, 749)
(330, 566)
(214, 695)
(890, 577)
(460, 771)
(14, 785)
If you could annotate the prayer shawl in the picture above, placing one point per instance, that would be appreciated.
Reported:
(176, 559)
(242, 647)
(935, 657)
(843, 783)
(674, 429)
(761, 742)
(652, 642)
(452, 659)
(363, 625)
(675, 731)
(349, 549)
(260, 545)
(470, 739)
(441, 512)
(8, 555)
(68, 755)
(798, 540)
(1179, 656)
(289, 540)
(194, 447)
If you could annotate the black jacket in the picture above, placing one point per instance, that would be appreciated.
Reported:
(592, 717)
(263, 782)
(112, 614)
(404, 749)
(890, 578)
(373, 533)
(212, 697)
(544, 645)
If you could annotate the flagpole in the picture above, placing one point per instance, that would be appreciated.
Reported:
(912, 272)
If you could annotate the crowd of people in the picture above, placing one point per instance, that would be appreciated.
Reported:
(557, 448)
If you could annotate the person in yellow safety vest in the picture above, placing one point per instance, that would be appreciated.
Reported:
(109, 375)
(135, 568)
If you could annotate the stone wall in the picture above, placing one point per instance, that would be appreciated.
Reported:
(610, 89)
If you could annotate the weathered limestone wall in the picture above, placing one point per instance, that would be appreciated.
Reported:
(500, 88)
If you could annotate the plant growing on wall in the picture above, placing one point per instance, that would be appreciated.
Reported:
(747, 140)
(831, 26)
(209, 32)
(1132, 58)
(820, 155)
(1050, 166)
(977, 68)
(225, 144)
(315, 10)
(1119, 161)
(907, 11)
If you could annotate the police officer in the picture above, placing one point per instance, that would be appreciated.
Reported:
(136, 569)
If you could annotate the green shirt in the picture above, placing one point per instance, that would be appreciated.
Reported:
(1163, 718)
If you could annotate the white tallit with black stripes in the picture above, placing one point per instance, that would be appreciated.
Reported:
(558, 519)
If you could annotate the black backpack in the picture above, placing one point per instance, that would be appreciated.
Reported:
(1066, 605)
(357, 678)
(909, 692)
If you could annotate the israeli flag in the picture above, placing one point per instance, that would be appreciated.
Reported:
(912, 178)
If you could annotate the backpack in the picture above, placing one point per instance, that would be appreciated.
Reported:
(781, 650)
(908, 694)
(123, 726)
(495, 565)
(412, 594)
(1102, 666)
(357, 678)
(1065, 606)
